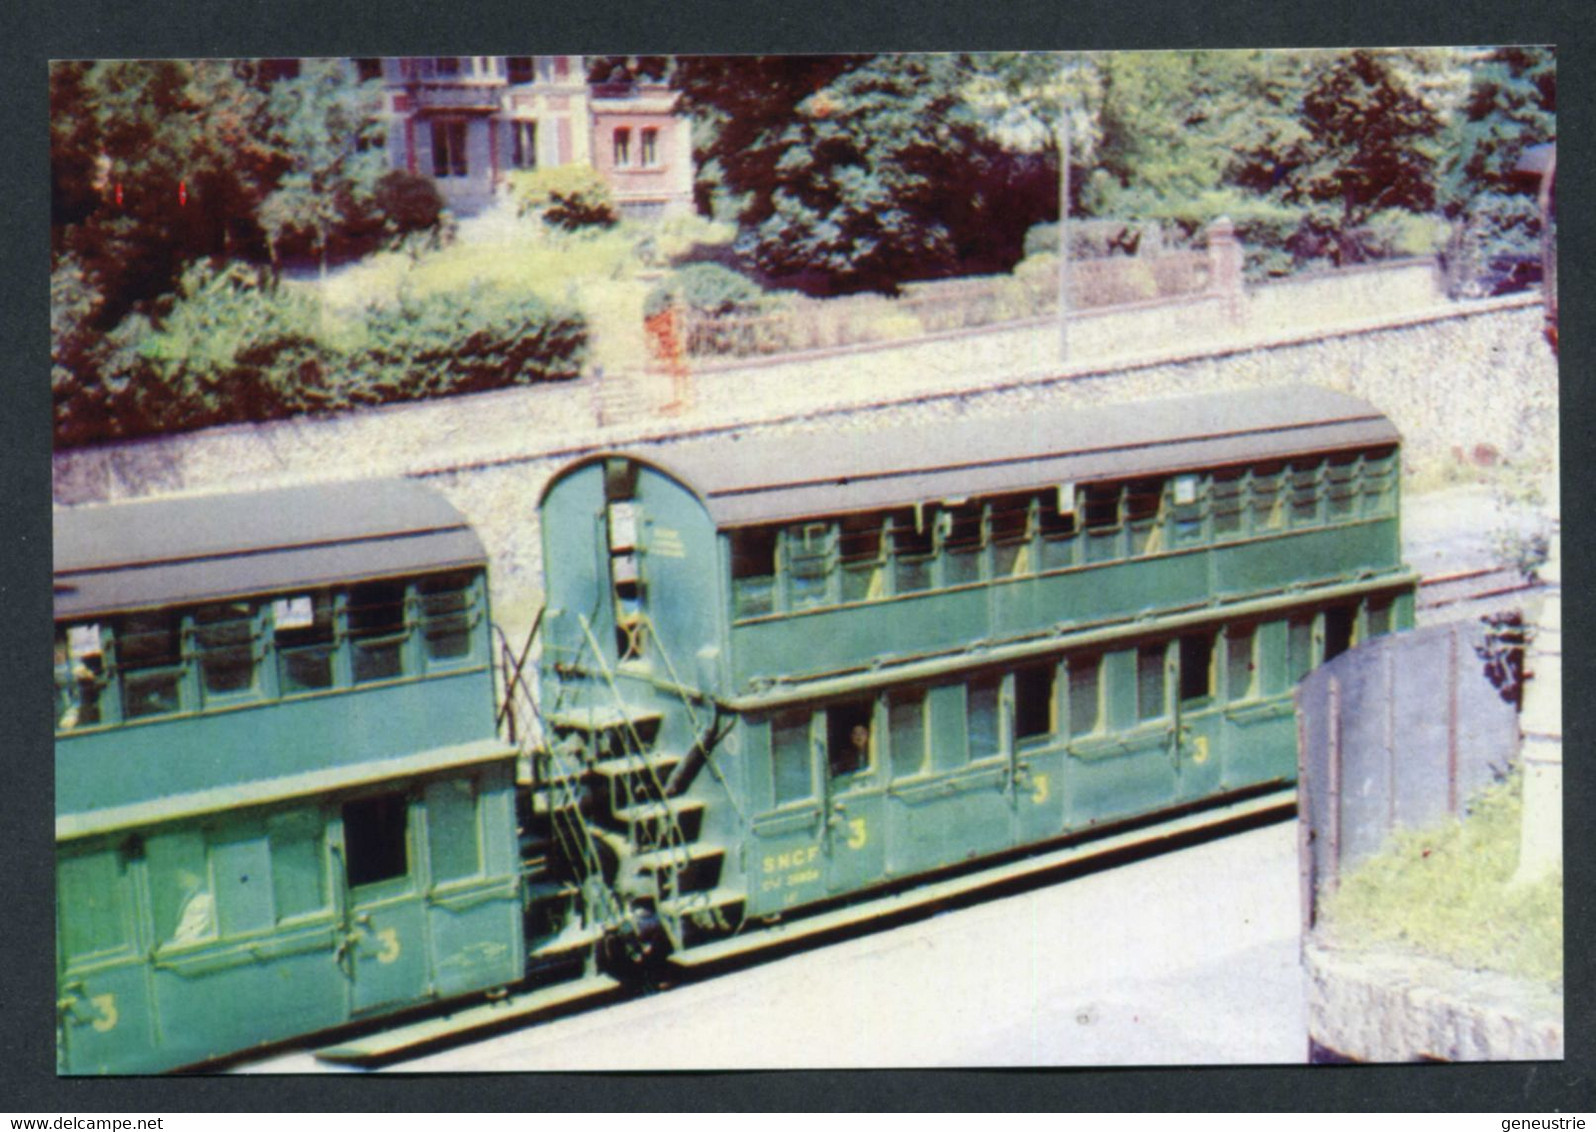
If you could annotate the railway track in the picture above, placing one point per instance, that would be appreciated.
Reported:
(1457, 589)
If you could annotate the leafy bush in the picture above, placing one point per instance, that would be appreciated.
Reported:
(568, 197)
(232, 347)
(409, 203)
(707, 289)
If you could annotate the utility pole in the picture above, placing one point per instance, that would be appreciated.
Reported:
(1063, 227)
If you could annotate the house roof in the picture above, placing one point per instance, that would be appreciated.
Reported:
(147, 554)
(752, 480)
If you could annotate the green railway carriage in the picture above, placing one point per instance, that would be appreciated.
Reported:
(281, 804)
(779, 673)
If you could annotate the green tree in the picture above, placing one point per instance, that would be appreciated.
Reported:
(1367, 143)
(861, 172)
(1511, 105)
(323, 123)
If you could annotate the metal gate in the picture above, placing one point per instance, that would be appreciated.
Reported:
(1400, 732)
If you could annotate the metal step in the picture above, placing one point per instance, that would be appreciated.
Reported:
(652, 811)
(603, 718)
(574, 938)
(633, 764)
(683, 855)
(389, 1043)
(703, 900)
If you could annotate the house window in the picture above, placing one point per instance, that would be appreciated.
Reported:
(623, 147)
(524, 145)
(520, 68)
(648, 150)
(446, 65)
(449, 149)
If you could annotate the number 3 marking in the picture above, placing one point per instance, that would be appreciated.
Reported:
(857, 834)
(389, 951)
(106, 1005)
(1039, 788)
(1199, 749)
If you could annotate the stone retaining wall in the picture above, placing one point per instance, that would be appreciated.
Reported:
(1475, 379)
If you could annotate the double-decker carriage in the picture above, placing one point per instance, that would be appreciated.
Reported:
(781, 674)
(281, 804)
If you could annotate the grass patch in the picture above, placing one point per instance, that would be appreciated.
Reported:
(1446, 892)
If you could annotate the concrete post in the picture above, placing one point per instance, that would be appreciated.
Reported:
(1540, 851)
(1224, 267)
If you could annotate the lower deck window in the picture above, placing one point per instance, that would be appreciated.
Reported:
(376, 845)
(1196, 667)
(982, 721)
(848, 733)
(1241, 663)
(1086, 695)
(907, 732)
(1150, 682)
(791, 778)
(1033, 702)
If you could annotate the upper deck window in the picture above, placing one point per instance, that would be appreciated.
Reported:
(164, 662)
(872, 556)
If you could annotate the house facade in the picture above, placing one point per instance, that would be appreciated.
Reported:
(468, 122)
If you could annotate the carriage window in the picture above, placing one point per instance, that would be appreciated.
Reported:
(811, 552)
(789, 756)
(1188, 510)
(453, 831)
(1086, 694)
(1340, 488)
(377, 630)
(1196, 667)
(1102, 522)
(1267, 500)
(848, 734)
(1379, 494)
(79, 676)
(1299, 647)
(181, 899)
(98, 891)
(447, 615)
(1143, 501)
(912, 550)
(1339, 622)
(1241, 664)
(862, 571)
(1033, 701)
(753, 566)
(982, 719)
(906, 730)
(148, 655)
(304, 635)
(1226, 503)
(961, 544)
(1378, 617)
(1304, 480)
(225, 638)
(241, 865)
(1150, 682)
(1056, 519)
(298, 878)
(376, 844)
(1011, 535)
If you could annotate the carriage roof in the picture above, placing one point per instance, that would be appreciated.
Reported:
(753, 479)
(154, 553)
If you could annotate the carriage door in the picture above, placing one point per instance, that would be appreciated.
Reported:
(1199, 723)
(785, 867)
(382, 949)
(855, 788)
(622, 521)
